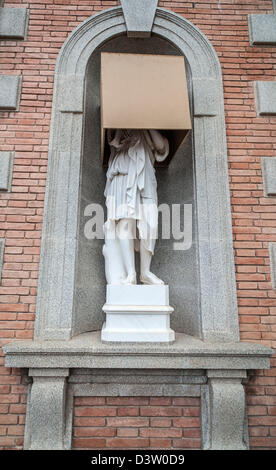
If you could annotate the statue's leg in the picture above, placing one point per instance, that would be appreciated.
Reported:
(148, 233)
(146, 276)
(125, 231)
(114, 266)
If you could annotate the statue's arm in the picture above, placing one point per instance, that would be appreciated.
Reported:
(115, 138)
(161, 145)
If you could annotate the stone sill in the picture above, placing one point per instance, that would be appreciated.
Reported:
(87, 351)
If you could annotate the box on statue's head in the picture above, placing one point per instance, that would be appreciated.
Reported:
(144, 91)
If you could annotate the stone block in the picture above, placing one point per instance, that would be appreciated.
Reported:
(71, 94)
(226, 410)
(265, 95)
(139, 16)
(205, 97)
(6, 164)
(262, 29)
(46, 410)
(14, 23)
(10, 89)
(269, 175)
(2, 248)
(87, 351)
(272, 255)
(137, 313)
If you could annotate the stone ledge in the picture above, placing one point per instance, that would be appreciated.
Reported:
(13, 23)
(87, 351)
(262, 29)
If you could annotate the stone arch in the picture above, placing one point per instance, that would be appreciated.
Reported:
(55, 303)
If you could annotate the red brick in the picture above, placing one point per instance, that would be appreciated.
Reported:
(128, 422)
(6, 441)
(191, 411)
(127, 401)
(128, 411)
(93, 443)
(93, 421)
(160, 411)
(8, 419)
(186, 422)
(160, 401)
(150, 432)
(263, 442)
(161, 422)
(94, 432)
(16, 430)
(187, 443)
(272, 410)
(127, 443)
(186, 401)
(161, 443)
(95, 411)
(81, 401)
(191, 432)
(127, 432)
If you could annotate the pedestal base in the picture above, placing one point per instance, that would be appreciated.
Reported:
(137, 313)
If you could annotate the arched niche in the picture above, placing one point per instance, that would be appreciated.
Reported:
(179, 268)
(63, 307)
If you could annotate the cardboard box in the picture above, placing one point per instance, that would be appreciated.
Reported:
(144, 91)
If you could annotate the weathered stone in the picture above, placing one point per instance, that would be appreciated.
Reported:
(205, 97)
(87, 351)
(13, 23)
(2, 248)
(46, 410)
(6, 164)
(265, 93)
(139, 16)
(272, 253)
(262, 29)
(10, 89)
(137, 390)
(225, 411)
(138, 377)
(269, 175)
(71, 93)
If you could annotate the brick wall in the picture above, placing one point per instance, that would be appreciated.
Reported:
(249, 138)
(136, 422)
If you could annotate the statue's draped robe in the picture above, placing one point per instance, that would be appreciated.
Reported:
(131, 187)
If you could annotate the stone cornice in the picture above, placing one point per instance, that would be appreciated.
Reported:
(87, 350)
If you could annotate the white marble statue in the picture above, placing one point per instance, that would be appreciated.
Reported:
(131, 200)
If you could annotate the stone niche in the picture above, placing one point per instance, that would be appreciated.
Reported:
(178, 268)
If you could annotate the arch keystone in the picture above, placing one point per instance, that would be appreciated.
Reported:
(139, 16)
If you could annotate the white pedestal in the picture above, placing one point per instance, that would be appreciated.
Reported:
(137, 313)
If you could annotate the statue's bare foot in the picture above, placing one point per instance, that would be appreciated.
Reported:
(130, 279)
(150, 278)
